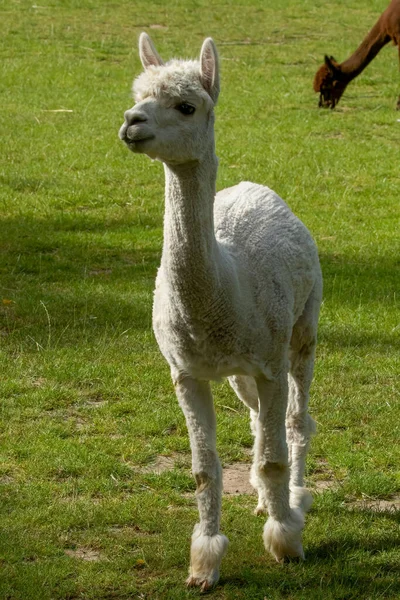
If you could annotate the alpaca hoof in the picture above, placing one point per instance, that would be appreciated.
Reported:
(204, 584)
(283, 538)
(206, 554)
(291, 559)
(300, 497)
(260, 510)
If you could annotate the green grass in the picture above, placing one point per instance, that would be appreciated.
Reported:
(86, 400)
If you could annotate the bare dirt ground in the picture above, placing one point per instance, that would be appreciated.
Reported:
(236, 482)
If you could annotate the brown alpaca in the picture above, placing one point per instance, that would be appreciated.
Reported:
(332, 78)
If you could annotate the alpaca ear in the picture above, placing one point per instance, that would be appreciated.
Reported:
(330, 63)
(209, 69)
(147, 52)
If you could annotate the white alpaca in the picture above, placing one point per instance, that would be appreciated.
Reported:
(237, 295)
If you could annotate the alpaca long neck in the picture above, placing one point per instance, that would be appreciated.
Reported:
(190, 251)
(367, 50)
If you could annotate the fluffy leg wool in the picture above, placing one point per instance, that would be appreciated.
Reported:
(206, 554)
(283, 538)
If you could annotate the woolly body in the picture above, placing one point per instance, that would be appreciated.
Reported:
(237, 295)
(244, 324)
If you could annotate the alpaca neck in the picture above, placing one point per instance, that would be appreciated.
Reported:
(366, 52)
(190, 250)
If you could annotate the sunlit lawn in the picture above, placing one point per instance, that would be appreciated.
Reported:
(86, 400)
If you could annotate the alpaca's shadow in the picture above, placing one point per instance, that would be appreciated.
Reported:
(347, 337)
(336, 549)
(359, 286)
(360, 281)
(352, 567)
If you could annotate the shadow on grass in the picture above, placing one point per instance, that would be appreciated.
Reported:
(348, 337)
(352, 566)
(87, 267)
(76, 271)
(360, 280)
(367, 288)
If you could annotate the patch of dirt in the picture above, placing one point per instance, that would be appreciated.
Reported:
(74, 497)
(321, 485)
(39, 381)
(80, 424)
(6, 480)
(100, 271)
(130, 530)
(235, 479)
(338, 135)
(323, 477)
(345, 109)
(392, 505)
(162, 463)
(96, 401)
(88, 554)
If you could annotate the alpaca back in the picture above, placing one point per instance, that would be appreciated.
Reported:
(271, 245)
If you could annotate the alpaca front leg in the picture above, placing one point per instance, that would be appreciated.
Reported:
(208, 545)
(282, 531)
(398, 101)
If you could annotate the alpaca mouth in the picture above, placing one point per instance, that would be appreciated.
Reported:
(137, 140)
(138, 146)
(326, 102)
(134, 135)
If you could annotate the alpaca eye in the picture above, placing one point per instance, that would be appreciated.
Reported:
(185, 109)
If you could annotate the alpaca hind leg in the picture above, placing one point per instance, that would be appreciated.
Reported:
(246, 389)
(282, 531)
(208, 545)
(299, 424)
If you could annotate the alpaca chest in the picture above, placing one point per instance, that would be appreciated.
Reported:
(211, 344)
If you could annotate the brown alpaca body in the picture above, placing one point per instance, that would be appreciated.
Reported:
(332, 78)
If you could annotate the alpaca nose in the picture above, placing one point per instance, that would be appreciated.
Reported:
(132, 117)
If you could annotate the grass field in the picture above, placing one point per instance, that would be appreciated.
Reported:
(86, 401)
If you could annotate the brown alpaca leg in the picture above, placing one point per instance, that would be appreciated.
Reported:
(398, 101)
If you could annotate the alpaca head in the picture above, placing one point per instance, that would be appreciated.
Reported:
(173, 118)
(330, 83)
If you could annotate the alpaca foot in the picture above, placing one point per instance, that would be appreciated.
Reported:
(283, 538)
(301, 498)
(206, 554)
(203, 584)
(260, 510)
